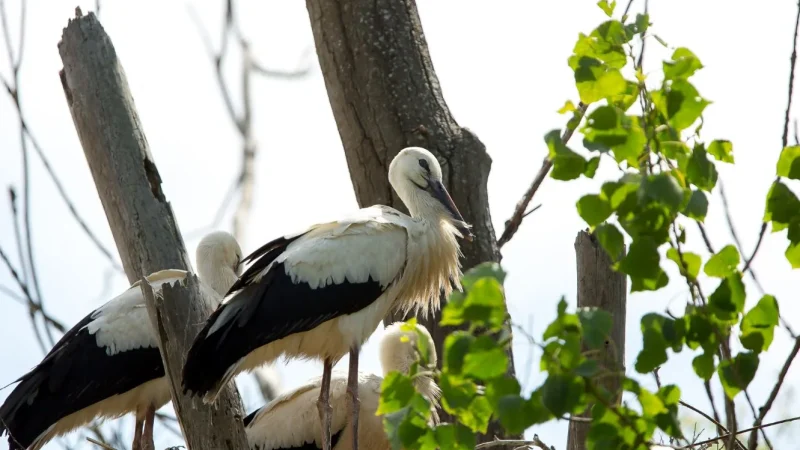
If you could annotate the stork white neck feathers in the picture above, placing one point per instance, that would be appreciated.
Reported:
(218, 256)
(416, 176)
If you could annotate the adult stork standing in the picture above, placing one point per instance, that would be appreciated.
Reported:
(109, 363)
(322, 292)
(290, 421)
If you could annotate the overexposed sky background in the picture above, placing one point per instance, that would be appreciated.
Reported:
(502, 67)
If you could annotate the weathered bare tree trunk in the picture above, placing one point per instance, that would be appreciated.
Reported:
(385, 96)
(141, 219)
(600, 286)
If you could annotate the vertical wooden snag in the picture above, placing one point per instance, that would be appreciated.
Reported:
(385, 96)
(141, 219)
(600, 286)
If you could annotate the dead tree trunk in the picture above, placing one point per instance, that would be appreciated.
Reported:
(602, 287)
(385, 96)
(141, 219)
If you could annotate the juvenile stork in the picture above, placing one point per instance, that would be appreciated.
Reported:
(109, 364)
(290, 421)
(322, 292)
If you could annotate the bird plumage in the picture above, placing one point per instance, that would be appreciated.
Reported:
(108, 364)
(321, 293)
(290, 421)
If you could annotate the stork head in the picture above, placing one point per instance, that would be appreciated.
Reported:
(417, 177)
(398, 351)
(218, 260)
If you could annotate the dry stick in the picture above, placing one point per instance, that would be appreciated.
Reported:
(753, 429)
(785, 137)
(244, 183)
(536, 442)
(774, 394)
(512, 224)
(13, 90)
(12, 197)
(735, 235)
(140, 217)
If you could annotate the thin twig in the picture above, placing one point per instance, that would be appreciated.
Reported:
(100, 444)
(12, 198)
(785, 137)
(708, 441)
(536, 442)
(735, 235)
(720, 428)
(753, 441)
(512, 224)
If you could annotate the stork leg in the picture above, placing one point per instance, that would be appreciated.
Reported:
(137, 432)
(149, 419)
(352, 391)
(324, 405)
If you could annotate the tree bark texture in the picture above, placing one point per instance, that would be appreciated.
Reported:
(385, 96)
(601, 287)
(141, 219)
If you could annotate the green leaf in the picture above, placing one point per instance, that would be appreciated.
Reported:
(737, 373)
(562, 393)
(654, 347)
(689, 264)
(483, 305)
(651, 404)
(604, 45)
(721, 150)
(697, 207)
(404, 428)
(662, 189)
(789, 162)
(587, 369)
(683, 65)
(607, 8)
(591, 167)
(456, 347)
(609, 129)
(593, 209)
(596, 81)
(723, 264)
(501, 387)
(477, 415)
(397, 391)
(596, 324)
(485, 360)
(568, 107)
(610, 239)
(642, 265)
(758, 325)
(727, 301)
(457, 393)
(700, 171)
(625, 99)
(517, 414)
(642, 22)
(783, 207)
(703, 365)
(793, 254)
(485, 269)
(454, 436)
(680, 103)
(567, 165)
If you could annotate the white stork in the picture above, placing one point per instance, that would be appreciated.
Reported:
(290, 421)
(109, 364)
(322, 292)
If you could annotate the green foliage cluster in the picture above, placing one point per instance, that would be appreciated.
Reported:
(667, 171)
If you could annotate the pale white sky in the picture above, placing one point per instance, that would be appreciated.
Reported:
(502, 66)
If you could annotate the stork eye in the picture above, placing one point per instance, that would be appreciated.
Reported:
(424, 164)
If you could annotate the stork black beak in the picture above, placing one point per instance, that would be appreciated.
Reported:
(439, 192)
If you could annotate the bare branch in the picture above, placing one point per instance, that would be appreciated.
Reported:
(512, 224)
(785, 137)
(753, 442)
(708, 441)
(536, 442)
